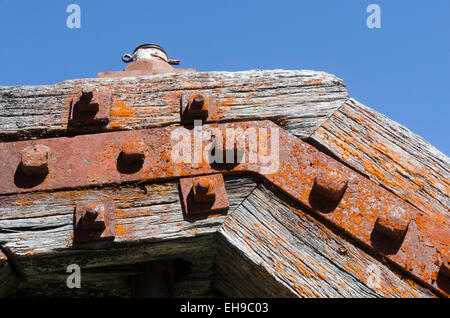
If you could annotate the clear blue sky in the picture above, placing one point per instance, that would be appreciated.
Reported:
(401, 70)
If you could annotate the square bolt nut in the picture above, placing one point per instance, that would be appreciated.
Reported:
(394, 225)
(90, 106)
(204, 195)
(35, 160)
(204, 189)
(94, 222)
(330, 183)
(198, 106)
(445, 263)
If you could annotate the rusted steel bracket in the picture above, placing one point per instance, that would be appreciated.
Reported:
(375, 217)
(204, 195)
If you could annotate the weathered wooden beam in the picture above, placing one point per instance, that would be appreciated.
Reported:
(38, 227)
(8, 278)
(389, 154)
(298, 100)
(293, 254)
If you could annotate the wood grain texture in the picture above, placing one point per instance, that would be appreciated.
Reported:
(298, 100)
(389, 154)
(38, 227)
(290, 253)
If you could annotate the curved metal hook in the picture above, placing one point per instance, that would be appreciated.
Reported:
(127, 58)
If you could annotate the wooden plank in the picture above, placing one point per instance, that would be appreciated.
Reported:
(298, 100)
(273, 237)
(38, 227)
(389, 154)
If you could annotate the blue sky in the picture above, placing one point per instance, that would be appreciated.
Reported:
(401, 70)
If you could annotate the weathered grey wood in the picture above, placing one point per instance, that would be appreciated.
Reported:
(293, 254)
(389, 154)
(298, 100)
(38, 227)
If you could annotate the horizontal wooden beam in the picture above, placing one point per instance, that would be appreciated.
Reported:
(299, 100)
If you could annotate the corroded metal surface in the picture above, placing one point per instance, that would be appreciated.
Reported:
(90, 106)
(204, 195)
(354, 205)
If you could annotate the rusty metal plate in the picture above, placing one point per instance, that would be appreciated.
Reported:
(305, 174)
(212, 200)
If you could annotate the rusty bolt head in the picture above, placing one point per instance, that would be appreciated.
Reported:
(35, 160)
(86, 94)
(204, 189)
(445, 268)
(133, 151)
(330, 183)
(86, 100)
(445, 263)
(394, 225)
(94, 217)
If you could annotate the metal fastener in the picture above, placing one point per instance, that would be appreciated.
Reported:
(330, 183)
(35, 160)
(394, 224)
(198, 106)
(94, 222)
(86, 101)
(204, 189)
(204, 195)
(445, 263)
(133, 151)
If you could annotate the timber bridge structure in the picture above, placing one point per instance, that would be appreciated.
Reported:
(358, 206)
